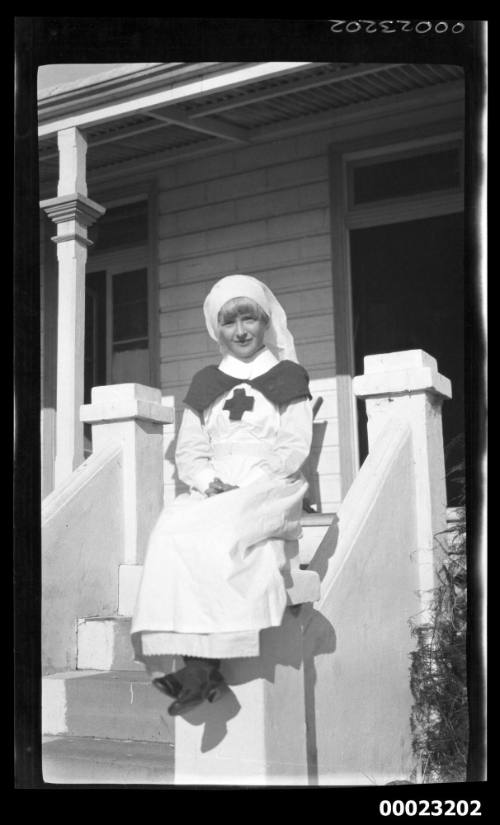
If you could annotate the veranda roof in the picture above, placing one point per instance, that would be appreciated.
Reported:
(157, 113)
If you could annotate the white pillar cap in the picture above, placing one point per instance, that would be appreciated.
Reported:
(405, 359)
(404, 372)
(118, 402)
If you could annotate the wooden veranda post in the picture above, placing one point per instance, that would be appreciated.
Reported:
(73, 212)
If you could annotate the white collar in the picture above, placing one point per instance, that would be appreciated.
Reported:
(245, 370)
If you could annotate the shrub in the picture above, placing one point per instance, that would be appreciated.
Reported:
(438, 666)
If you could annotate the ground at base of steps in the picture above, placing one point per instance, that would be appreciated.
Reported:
(85, 760)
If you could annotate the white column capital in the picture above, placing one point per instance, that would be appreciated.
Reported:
(401, 373)
(73, 213)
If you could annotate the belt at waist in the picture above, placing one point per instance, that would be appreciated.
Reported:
(222, 450)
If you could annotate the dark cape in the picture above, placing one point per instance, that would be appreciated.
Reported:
(283, 383)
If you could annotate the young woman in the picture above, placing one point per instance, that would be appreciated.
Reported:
(212, 575)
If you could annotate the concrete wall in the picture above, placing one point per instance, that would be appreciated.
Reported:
(360, 698)
(260, 210)
(82, 546)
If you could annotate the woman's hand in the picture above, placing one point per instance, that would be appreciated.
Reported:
(217, 486)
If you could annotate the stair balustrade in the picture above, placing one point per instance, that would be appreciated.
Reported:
(328, 701)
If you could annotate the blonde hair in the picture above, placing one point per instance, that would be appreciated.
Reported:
(240, 305)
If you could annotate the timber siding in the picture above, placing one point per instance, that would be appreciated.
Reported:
(263, 211)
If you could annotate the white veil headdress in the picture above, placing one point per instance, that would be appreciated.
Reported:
(278, 337)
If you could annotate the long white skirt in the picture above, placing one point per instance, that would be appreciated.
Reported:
(211, 578)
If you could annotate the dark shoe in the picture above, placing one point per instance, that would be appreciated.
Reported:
(195, 672)
(185, 703)
(169, 684)
(198, 684)
(216, 687)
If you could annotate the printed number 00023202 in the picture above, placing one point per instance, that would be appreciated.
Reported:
(395, 26)
(433, 807)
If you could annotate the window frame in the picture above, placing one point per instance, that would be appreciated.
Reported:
(421, 148)
(127, 259)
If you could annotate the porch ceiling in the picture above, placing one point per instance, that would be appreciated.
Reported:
(243, 114)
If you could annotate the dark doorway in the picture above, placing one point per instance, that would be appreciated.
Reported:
(408, 293)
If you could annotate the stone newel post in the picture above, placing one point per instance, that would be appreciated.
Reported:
(408, 384)
(381, 577)
(133, 415)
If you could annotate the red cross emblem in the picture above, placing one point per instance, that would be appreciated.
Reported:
(238, 404)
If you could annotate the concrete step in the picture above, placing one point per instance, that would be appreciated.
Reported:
(104, 644)
(92, 761)
(114, 705)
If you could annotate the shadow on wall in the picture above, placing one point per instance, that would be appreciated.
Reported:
(319, 638)
(169, 455)
(312, 502)
(215, 718)
(294, 644)
(326, 549)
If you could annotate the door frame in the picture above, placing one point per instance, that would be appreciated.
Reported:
(343, 219)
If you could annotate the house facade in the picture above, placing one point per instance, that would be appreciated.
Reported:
(339, 185)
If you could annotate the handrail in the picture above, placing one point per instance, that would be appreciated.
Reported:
(370, 591)
(82, 547)
(359, 502)
(82, 476)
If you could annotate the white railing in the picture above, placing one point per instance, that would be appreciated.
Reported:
(96, 524)
(82, 546)
(328, 701)
(378, 565)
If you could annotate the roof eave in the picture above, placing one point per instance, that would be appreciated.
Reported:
(101, 90)
(201, 79)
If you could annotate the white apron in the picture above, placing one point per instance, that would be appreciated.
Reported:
(211, 579)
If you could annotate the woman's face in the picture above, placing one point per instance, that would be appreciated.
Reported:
(242, 326)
